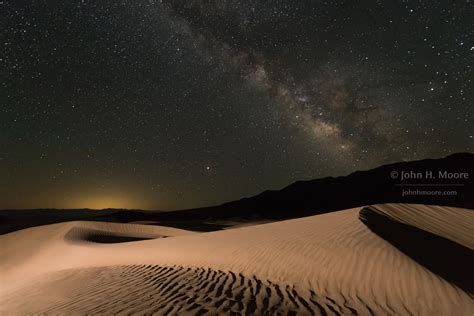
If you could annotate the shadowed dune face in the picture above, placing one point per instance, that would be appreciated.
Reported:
(151, 289)
(442, 255)
(77, 234)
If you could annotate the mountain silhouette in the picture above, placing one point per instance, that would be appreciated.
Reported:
(375, 186)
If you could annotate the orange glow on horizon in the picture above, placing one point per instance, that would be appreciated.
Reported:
(104, 202)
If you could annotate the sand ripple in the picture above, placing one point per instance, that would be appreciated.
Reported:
(151, 289)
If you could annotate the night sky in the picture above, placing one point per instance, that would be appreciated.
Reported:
(176, 104)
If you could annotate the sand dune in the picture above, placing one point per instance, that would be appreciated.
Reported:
(439, 238)
(331, 264)
(448, 222)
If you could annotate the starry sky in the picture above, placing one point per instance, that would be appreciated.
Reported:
(178, 104)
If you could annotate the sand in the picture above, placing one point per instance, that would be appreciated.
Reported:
(330, 264)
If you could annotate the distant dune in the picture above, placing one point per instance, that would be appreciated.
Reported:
(330, 264)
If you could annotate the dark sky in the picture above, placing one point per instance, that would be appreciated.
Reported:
(175, 104)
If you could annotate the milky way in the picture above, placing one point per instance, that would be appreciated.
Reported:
(172, 104)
